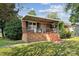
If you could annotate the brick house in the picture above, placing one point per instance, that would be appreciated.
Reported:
(39, 29)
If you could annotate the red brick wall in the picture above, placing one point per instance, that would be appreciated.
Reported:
(35, 37)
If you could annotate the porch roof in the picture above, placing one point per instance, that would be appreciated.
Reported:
(35, 18)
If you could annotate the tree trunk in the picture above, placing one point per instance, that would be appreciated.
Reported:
(2, 30)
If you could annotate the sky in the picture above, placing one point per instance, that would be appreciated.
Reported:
(42, 9)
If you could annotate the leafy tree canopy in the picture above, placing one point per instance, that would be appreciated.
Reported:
(52, 15)
(32, 12)
(74, 12)
(7, 12)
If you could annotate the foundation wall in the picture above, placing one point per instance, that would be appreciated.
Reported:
(35, 37)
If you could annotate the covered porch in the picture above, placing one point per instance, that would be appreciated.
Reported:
(39, 29)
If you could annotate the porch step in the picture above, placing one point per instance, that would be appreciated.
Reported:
(54, 37)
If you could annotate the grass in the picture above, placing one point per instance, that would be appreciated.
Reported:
(70, 47)
(73, 39)
(7, 42)
(67, 48)
(3, 50)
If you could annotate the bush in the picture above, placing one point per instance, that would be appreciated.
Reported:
(68, 34)
(64, 32)
(65, 35)
(13, 29)
(67, 48)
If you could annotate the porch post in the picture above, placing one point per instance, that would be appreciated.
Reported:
(23, 26)
(24, 34)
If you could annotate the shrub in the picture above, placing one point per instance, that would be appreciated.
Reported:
(13, 29)
(67, 48)
(68, 34)
(65, 33)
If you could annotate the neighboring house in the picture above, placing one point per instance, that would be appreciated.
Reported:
(69, 27)
(39, 29)
(76, 29)
(73, 28)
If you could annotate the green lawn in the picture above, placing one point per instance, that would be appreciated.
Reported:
(73, 39)
(69, 47)
(7, 42)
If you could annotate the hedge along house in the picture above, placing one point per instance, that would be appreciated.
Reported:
(39, 29)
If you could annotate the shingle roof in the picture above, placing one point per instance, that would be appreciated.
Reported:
(41, 18)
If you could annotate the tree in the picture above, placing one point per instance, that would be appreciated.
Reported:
(13, 29)
(74, 12)
(52, 15)
(7, 12)
(32, 12)
(2, 24)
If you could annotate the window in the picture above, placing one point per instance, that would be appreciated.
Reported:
(32, 27)
(34, 23)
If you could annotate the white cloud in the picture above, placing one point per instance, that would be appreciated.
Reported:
(46, 10)
(64, 16)
(32, 9)
(59, 9)
(52, 8)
